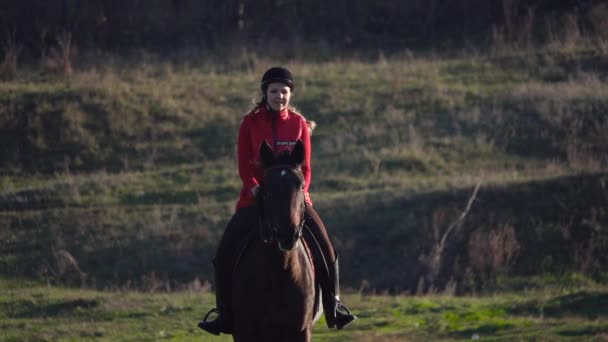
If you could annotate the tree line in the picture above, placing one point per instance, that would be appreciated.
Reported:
(31, 28)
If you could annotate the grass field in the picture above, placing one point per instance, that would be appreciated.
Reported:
(116, 183)
(47, 313)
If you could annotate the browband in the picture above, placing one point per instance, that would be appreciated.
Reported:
(283, 166)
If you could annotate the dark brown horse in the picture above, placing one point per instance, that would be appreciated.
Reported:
(273, 284)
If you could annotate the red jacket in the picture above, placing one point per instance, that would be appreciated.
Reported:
(256, 127)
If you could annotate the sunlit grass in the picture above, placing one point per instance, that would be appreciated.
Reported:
(151, 181)
(39, 312)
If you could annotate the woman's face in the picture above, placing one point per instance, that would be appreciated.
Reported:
(278, 96)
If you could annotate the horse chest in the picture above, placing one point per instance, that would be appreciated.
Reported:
(284, 281)
(270, 293)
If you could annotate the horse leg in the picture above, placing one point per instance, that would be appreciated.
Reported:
(303, 336)
(246, 335)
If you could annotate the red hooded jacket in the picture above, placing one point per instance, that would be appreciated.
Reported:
(257, 127)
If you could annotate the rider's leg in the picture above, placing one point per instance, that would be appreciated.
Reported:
(233, 236)
(326, 266)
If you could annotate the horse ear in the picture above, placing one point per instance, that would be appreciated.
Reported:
(297, 153)
(266, 154)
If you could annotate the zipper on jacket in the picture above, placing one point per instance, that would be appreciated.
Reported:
(274, 132)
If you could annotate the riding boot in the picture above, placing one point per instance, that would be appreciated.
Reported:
(221, 324)
(336, 313)
(326, 268)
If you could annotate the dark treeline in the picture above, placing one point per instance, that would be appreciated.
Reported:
(33, 27)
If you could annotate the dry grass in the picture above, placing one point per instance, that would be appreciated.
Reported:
(154, 162)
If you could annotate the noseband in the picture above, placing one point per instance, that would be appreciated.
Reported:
(268, 231)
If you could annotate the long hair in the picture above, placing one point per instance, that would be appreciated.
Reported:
(257, 104)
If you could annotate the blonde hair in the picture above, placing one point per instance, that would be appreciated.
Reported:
(311, 126)
(257, 104)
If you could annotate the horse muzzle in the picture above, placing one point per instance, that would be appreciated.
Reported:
(288, 242)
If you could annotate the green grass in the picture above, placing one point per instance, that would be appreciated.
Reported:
(35, 312)
(125, 176)
(157, 115)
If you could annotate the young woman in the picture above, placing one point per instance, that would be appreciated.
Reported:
(274, 121)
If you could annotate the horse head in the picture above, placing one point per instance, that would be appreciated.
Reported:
(282, 196)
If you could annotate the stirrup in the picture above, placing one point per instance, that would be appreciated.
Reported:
(343, 309)
(344, 312)
(211, 327)
(214, 310)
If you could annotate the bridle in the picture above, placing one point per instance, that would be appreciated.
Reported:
(268, 231)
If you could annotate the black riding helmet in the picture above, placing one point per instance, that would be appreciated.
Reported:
(276, 74)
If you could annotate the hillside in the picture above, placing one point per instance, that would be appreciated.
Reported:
(124, 176)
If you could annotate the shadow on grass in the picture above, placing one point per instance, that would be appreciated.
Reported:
(590, 305)
(220, 193)
(31, 309)
(584, 330)
(484, 329)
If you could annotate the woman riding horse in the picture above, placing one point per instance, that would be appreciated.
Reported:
(274, 121)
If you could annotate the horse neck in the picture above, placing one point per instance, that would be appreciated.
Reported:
(289, 261)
